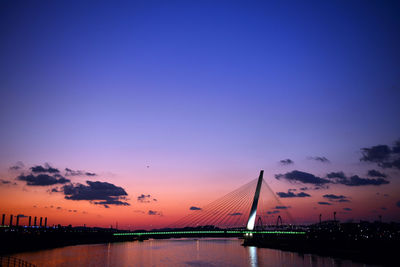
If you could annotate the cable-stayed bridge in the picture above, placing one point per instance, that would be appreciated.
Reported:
(251, 209)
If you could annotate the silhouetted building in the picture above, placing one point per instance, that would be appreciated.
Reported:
(3, 219)
(11, 219)
(30, 220)
(45, 222)
(34, 221)
(41, 220)
(17, 222)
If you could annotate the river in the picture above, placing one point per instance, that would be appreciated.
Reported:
(175, 252)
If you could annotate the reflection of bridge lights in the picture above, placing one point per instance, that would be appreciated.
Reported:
(253, 256)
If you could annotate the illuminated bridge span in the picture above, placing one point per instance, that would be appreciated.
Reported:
(249, 210)
(208, 233)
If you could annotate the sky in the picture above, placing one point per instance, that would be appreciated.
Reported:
(135, 111)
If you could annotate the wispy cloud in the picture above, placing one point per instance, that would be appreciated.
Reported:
(286, 162)
(154, 213)
(146, 198)
(324, 203)
(320, 159)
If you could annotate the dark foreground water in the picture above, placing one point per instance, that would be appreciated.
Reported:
(175, 252)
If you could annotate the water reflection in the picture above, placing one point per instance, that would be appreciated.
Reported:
(174, 252)
(253, 256)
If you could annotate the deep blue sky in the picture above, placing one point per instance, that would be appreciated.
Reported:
(201, 76)
(216, 85)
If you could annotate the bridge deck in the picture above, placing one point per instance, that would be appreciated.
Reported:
(220, 232)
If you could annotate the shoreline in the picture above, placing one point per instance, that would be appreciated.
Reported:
(12, 244)
(375, 252)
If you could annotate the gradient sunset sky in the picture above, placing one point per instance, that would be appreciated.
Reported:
(167, 105)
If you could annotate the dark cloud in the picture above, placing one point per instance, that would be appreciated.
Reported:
(153, 212)
(145, 198)
(324, 203)
(69, 172)
(336, 175)
(17, 167)
(320, 159)
(314, 188)
(22, 216)
(273, 212)
(194, 208)
(43, 179)
(291, 194)
(105, 193)
(302, 194)
(292, 189)
(355, 180)
(303, 177)
(46, 169)
(392, 164)
(347, 209)
(383, 155)
(282, 207)
(4, 181)
(235, 214)
(398, 204)
(378, 154)
(375, 173)
(396, 147)
(383, 208)
(336, 198)
(286, 162)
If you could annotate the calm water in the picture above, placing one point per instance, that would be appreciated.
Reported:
(174, 252)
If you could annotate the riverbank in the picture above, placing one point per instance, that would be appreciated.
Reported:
(378, 252)
(20, 241)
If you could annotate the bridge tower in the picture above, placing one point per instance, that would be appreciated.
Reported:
(253, 211)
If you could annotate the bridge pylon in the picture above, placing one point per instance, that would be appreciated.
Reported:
(253, 212)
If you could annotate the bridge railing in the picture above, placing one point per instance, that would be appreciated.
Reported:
(8, 261)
